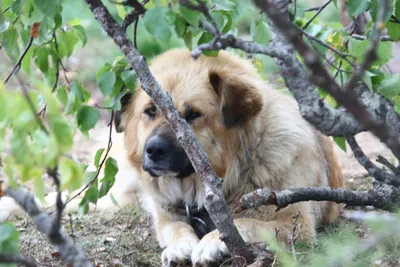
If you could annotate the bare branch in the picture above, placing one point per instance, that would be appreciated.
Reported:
(228, 40)
(214, 201)
(384, 38)
(11, 258)
(384, 161)
(371, 54)
(319, 10)
(68, 249)
(381, 196)
(17, 65)
(373, 170)
(315, 39)
(28, 99)
(133, 16)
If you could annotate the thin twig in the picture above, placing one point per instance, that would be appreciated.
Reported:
(384, 38)
(385, 162)
(321, 8)
(17, 65)
(371, 54)
(25, 93)
(109, 145)
(342, 55)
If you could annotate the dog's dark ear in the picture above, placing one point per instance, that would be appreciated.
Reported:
(240, 98)
(125, 100)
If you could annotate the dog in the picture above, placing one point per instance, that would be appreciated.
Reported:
(254, 137)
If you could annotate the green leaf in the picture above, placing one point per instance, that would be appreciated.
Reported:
(341, 142)
(69, 40)
(3, 23)
(121, 11)
(62, 95)
(42, 59)
(81, 34)
(192, 17)
(81, 93)
(62, 132)
(389, 87)
(374, 9)
(180, 26)
(188, 38)
(92, 194)
(157, 25)
(393, 30)
(9, 172)
(262, 33)
(397, 9)
(106, 67)
(110, 170)
(205, 38)
(129, 78)
(357, 7)
(106, 82)
(98, 157)
(47, 7)
(8, 239)
(358, 48)
(70, 173)
(72, 104)
(384, 51)
(87, 117)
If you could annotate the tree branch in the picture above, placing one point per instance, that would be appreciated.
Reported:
(214, 201)
(378, 173)
(319, 10)
(44, 223)
(278, 15)
(384, 38)
(381, 196)
(10, 258)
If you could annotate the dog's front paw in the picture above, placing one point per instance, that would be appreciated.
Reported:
(209, 250)
(178, 253)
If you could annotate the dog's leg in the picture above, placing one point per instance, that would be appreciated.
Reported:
(178, 238)
(212, 249)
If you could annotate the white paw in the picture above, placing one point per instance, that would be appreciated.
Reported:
(209, 250)
(178, 253)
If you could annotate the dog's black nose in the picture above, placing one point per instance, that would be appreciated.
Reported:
(156, 148)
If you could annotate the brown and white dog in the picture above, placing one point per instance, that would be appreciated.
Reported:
(254, 137)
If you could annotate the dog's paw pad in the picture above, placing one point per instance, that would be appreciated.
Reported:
(178, 253)
(209, 250)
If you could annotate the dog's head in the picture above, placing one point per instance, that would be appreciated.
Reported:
(216, 96)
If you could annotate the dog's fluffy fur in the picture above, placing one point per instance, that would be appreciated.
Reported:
(254, 137)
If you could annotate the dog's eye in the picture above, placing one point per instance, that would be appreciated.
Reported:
(192, 115)
(151, 112)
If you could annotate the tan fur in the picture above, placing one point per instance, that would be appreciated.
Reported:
(270, 147)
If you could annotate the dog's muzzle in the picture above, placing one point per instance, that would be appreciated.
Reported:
(164, 156)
